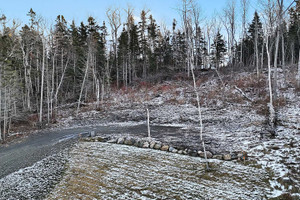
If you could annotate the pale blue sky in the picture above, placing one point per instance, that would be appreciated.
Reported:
(79, 10)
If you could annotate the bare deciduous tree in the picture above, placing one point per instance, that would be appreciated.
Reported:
(245, 5)
(269, 32)
(114, 18)
(229, 21)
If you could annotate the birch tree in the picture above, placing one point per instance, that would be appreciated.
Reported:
(114, 18)
(245, 5)
(187, 17)
(229, 21)
(269, 32)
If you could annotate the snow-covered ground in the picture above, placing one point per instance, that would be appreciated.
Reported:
(231, 122)
(110, 171)
(36, 181)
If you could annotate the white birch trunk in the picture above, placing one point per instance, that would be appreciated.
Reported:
(4, 114)
(61, 81)
(256, 49)
(276, 63)
(42, 85)
(200, 116)
(271, 107)
(83, 82)
(148, 123)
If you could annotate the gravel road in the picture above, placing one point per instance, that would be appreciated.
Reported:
(25, 152)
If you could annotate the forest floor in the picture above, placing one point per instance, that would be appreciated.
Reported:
(234, 111)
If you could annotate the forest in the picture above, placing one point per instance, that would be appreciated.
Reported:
(43, 67)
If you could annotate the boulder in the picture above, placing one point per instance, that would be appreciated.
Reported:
(174, 151)
(227, 157)
(171, 149)
(218, 157)
(137, 143)
(146, 145)
(192, 153)
(165, 148)
(234, 156)
(180, 152)
(112, 141)
(152, 144)
(185, 152)
(208, 154)
(129, 141)
(157, 146)
(100, 139)
(120, 141)
(141, 144)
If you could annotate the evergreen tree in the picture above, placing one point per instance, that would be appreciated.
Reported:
(218, 50)
(294, 32)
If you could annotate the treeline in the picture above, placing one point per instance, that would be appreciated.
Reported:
(44, 67)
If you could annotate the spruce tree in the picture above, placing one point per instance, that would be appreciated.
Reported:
(218, 50)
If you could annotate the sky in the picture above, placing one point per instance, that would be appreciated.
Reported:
(79, 10)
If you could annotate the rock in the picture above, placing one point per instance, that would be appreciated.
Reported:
(120, 141)
(137, 143)
(201, 154)
(227, 157)
(193, 153)
(234, 156)
(146, 145)
(218, 157)
(100, 139)
(129, 141)
(165, 148)
(157, 146)
(208, 154)
(141, 144)
(180, 152)
(171, 149)
(112, 141)
(185, 152)
(174, 151)
(152, 144)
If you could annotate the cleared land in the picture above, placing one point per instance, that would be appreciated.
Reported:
(110, 171)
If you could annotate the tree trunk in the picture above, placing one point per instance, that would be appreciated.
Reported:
(256, 49)
(262, 56)
(276, 63)
(292, 53)
(283, 52)
(4, 114)
(48, 93)
(148, 123)
(42, 85)
(299, 70)
(82, 86)
(52, 86)
(271, 107)
(61, 81)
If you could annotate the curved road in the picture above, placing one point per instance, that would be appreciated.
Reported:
(27, 151)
